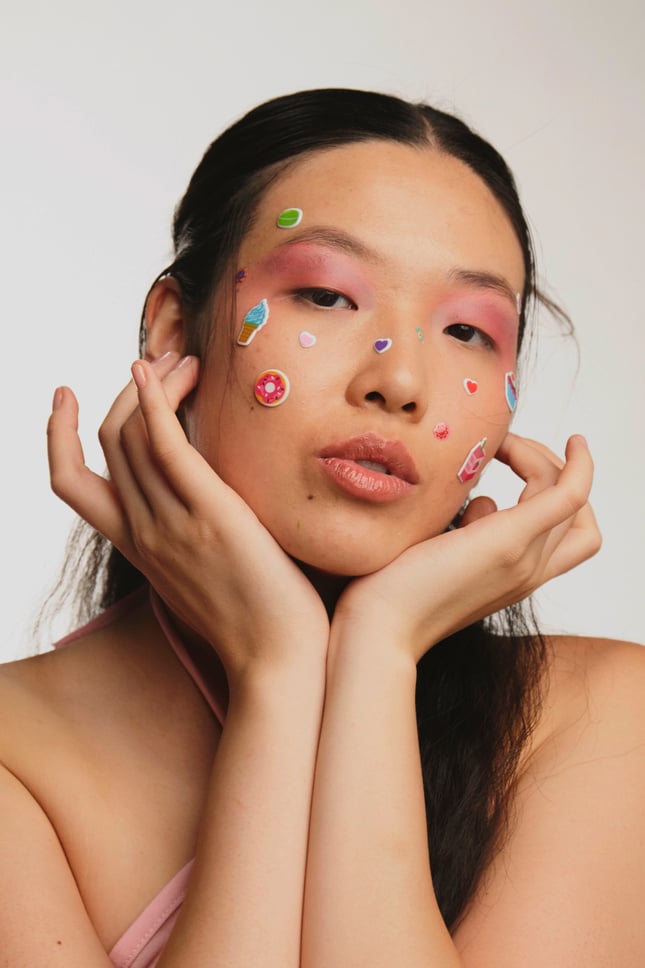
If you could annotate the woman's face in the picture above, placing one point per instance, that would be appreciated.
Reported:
(392, 312)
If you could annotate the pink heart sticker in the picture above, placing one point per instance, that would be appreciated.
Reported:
(470, 386)
(306, 339)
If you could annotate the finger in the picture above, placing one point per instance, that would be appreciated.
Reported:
(87, 493)
(478, 508)
(558, 503)
(123, 409)
(538, 467)
(185, 469)
(140, 434)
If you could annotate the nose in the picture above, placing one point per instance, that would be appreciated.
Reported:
(394, 380)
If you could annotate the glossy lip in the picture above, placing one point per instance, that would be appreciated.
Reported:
(339, 462)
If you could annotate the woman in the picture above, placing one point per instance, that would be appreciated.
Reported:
(338, 332)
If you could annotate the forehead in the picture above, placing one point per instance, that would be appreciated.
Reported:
(410, 206)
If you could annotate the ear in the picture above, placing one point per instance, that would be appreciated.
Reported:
(164, 315)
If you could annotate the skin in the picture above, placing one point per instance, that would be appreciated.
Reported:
(328, 866)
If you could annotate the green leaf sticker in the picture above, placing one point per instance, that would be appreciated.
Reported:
(289, 218)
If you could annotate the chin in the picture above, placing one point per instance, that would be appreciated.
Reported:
(348, 557)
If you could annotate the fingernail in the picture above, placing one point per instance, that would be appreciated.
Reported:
(184, 361)
(164, 356)
(583, 439)
(58, 398)
(139, 374)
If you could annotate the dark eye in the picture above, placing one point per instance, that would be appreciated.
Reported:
(326, 298)
(468, 334)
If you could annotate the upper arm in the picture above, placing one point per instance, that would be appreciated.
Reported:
(568, 886)
(42, 917)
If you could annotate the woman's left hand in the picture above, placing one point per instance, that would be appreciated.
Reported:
(494, 559)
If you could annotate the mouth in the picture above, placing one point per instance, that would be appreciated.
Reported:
(370, 467)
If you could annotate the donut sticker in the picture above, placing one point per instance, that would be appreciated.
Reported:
(474, 460)
(289, 218)
(272, 388)
(441, 431)
(510, 391)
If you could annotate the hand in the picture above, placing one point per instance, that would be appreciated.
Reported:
(494, 559)
(192, 536)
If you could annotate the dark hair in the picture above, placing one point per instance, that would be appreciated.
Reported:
(478, 693)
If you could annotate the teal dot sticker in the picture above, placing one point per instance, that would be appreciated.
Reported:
(289, 218)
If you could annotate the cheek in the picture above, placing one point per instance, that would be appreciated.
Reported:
(470, 422)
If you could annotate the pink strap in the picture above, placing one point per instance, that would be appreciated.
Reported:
(182, 654)
(145, 939)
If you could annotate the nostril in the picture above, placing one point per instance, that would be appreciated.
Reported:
(409, 407)
(375, 397)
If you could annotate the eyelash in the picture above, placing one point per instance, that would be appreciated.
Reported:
(472, 331)
(307, 295)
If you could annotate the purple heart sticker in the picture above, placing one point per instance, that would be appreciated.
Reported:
(382, 345)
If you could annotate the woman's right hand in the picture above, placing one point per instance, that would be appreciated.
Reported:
(198, 543)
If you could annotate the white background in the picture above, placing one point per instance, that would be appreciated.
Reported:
(106, 110)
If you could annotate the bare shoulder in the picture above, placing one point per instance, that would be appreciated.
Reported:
(567, 885)
(594, 694)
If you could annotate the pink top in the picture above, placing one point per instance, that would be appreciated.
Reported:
(143, 942)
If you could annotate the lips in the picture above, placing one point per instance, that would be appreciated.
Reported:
(370, 467)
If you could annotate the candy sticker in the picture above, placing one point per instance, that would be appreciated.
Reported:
(441, 431)
(306, 339)
(511, 391)
(473, 462)
(241, 275)
(419, 333)
(382, 345)
(271, 388)
(255, 319)
(289, 218)
(470, 386)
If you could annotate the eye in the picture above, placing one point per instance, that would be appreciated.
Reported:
(326, 298)
(468, 334)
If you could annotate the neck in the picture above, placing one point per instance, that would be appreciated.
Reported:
(329, 587)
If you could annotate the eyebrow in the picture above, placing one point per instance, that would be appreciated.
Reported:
(337, 239)
(483, 280)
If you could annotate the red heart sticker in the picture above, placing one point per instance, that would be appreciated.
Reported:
(471, 386)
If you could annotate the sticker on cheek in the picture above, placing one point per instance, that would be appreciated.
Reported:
(382, 345)
(471, 386)
(511, 391)
(306, 339)
(518, 303)
(255, 319)
(419, 333)
(441, 431)
(241, 275)
(473, 462)
(271, 388)
(289, 218)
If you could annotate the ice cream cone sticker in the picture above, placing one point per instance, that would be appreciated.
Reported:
(253, 322)
(473, 462)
